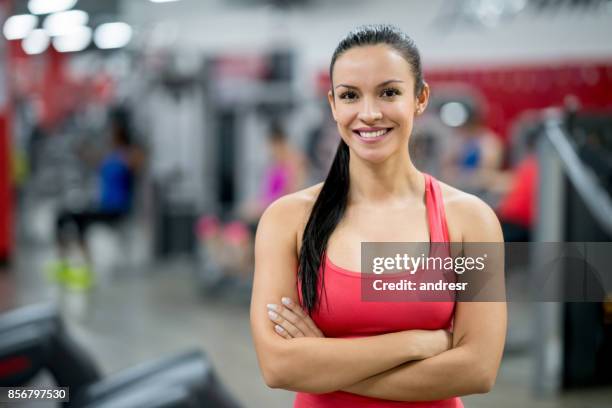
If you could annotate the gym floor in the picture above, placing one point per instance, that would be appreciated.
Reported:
(147, 312)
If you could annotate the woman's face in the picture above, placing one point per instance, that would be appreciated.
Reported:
(373, 101)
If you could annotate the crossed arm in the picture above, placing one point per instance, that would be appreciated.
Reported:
(413, 365)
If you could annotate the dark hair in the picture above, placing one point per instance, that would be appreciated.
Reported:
(276, 132)
(121, 134)
(120, 123)
(382, 34)
(330, 205)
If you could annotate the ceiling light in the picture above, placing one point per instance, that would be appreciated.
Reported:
(18, 27)
(162, 1)
(50, 6)
(76, 40)
(36, 42)
(489, 12)
(112, 35)
(63, 22)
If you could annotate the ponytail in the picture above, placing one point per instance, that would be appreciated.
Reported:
(326, 213)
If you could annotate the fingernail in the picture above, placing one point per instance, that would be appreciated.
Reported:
(272, 314)
(272, 306)
(279, 329)
(286, 301)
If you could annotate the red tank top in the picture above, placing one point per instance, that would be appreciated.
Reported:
(343, 314)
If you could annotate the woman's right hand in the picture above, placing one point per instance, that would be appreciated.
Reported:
(291, 320)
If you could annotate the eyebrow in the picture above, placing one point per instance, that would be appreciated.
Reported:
(378, 86)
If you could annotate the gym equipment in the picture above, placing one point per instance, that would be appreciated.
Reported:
(33, 339)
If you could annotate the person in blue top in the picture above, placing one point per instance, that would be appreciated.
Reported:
(116, 173)
(476, 157)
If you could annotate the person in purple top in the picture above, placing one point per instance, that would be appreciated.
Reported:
(285, 174)
(230, 246)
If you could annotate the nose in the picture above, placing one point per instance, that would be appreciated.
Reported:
(369, 112)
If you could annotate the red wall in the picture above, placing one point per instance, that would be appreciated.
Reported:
(6, 212)
(509, 91)
(5, 188)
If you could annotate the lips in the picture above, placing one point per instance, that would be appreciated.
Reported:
(371, 135)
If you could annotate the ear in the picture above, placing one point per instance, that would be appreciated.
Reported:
(422, 100)
(332, 103)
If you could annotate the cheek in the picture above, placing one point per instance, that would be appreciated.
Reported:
(345, 115)
(401, 112)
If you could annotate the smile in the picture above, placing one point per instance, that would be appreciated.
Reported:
(372, 135)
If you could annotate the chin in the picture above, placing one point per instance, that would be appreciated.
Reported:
(374, 156)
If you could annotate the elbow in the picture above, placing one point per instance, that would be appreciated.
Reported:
(273, 378)
(272, 356)
(485, 381)
(485, 385)
(278, 368)
(275, 373)
(278, 375)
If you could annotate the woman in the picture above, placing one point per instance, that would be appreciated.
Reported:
(312, 332)
(228, 249)
(284, 174)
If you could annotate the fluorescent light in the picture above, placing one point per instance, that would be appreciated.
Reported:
(63, 22)
(18, 27)
(162, 1)
(36, 42)
(76, 40)
(112, 35)
(50, 6)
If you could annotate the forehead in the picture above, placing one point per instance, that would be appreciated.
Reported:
(371, 65)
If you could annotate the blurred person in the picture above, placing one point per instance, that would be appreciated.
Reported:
(475, 159)
(228, 248)
(285, 174)
(116, 170)
(313, 332)
(517, 207)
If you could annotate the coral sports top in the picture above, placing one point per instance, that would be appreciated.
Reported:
(343, 314)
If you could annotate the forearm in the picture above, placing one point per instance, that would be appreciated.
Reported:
(453, 373)
(319, 365)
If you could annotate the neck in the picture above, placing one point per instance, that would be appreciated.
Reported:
(393, 182)
(281, 152)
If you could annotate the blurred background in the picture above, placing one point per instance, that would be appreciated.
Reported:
(140, 140)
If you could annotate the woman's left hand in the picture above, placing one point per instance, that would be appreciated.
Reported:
(291, 320)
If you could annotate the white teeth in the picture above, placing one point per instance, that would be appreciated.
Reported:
(373, 134)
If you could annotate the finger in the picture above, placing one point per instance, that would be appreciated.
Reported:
(282, 332)
(293, 319)
(285, 324)
(297, 309)
(294, 307)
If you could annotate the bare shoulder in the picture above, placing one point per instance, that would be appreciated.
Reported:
(292, 210)
(294, 205)
(469, 218)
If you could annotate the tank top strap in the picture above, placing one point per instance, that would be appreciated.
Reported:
(436, 216)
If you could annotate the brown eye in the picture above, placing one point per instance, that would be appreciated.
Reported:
(348, 95)
(390, 92)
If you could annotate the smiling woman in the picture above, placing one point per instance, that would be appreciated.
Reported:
(312, 330)
(368, 108)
